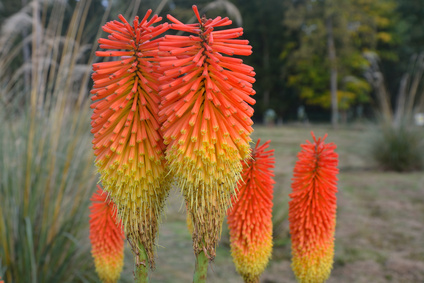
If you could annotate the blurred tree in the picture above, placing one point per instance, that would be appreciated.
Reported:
(7, 8)
(408, 32)
(411, 25)
(290, 39)
(327, 66)
(263, 27)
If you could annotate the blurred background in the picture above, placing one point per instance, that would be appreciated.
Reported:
(349, 68)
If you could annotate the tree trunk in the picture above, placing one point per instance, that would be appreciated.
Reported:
(333, 70)
(266, 69)
(401, 101)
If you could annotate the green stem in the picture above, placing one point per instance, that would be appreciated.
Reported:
(201, 270)
(141, 266)
(251, 280)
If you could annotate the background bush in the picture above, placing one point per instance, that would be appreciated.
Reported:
(398, 148)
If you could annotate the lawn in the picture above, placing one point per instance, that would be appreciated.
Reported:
(380, 218)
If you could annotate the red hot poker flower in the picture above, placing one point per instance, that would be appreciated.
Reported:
(206, 118)
(312, 211)
(107, 237)
(128, 146)
(250, 218)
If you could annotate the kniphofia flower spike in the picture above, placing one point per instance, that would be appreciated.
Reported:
(128, 146)
(250, 217)
(312, 211)
(206, 118)
(107, 237)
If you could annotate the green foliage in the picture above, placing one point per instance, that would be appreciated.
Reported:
(263, 27)
(357, 26)
(46, 178)
(409, 31)
(46, 164)
(398, 149)
(408, 40)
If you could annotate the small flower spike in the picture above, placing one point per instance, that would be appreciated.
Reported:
(250, 217)
(312, 211)
(107, 237)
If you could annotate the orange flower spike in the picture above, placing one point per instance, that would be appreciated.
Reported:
(250, 217)
(312, 211)
(206, 119)
(127, 144)
(107, 238)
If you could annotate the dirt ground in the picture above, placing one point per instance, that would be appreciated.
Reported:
(380, 218)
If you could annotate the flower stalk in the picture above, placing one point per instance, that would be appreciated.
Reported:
(141, 265)
(201, 268)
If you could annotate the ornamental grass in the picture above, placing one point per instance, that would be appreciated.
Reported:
(46, 169)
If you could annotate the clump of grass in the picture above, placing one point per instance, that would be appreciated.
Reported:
(46, 178)
(398, 149)
(46, 164)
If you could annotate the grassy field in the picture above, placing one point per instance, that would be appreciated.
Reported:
(380, 218)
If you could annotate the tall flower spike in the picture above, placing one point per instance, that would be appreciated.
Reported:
(312, 211)
(250, 218)
(107, 238)
(206, 118)
(128, 146)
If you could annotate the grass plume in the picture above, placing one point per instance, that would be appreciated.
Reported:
(46, 166)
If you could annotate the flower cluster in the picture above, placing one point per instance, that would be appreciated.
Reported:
(179, 108)
(172, 107)
(128, 145)
(206, 118)
(312, 211)
(107, 237)
(249, 218)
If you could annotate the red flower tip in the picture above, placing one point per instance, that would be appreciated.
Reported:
(196, 12)
(312, 210)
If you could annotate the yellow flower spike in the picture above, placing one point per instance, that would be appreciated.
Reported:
(206, 119)
(127, 143)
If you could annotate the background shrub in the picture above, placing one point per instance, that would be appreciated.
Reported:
(398, 148)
